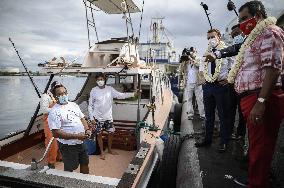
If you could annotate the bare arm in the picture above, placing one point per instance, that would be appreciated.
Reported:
(270, 79)
(269, 82)
(57, 133)
(84, 122)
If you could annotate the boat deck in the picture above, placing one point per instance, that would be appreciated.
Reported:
(114, 166)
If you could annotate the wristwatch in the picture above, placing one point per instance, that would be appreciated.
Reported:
(261, 100)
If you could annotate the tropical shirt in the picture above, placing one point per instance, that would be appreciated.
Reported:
(266, 51)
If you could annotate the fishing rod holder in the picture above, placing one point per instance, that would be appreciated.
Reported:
(151, 107)
(34, 163)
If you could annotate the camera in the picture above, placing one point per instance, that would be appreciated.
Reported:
(186, 53)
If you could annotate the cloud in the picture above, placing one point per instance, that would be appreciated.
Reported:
(44, 29)
(6, 51)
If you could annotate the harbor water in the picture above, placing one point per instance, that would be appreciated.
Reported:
(19, 99)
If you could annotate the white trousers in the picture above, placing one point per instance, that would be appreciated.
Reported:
(197, 90)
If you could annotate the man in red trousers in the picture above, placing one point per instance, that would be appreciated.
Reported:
(256, 74)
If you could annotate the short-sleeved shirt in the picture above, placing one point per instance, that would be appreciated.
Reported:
(266, 51)
(68, 119)
(192, 74)
(192, 71)
(100, 102)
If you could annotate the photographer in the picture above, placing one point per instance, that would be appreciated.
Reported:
(191, 68)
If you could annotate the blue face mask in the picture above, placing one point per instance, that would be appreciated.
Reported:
(238, 39)
(63, 99)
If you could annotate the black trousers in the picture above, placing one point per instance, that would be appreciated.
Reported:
(234, 102)
(215, 95)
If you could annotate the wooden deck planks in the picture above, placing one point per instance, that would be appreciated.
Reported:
(114, 166)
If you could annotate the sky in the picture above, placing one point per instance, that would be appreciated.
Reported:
(43, 29)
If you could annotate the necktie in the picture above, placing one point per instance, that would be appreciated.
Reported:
(213, 64)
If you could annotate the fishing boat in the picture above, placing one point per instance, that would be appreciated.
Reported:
(139, 122)
(160, 49)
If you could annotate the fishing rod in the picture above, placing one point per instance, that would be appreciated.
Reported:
(33, 118)
(36, 88)
(205, 7)
(231, 6)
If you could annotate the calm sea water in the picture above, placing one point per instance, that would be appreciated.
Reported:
(19, 99)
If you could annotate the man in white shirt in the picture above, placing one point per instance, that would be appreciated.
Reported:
(191, 70)
(100, 110)
(69, 126)
(216, 93)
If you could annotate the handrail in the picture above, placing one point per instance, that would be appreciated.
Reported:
(34, 162)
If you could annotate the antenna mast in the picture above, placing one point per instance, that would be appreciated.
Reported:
(157, 28)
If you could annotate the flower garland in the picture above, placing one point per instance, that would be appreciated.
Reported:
(213, 78)
(260, 27)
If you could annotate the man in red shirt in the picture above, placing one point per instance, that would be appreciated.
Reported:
(257, 78)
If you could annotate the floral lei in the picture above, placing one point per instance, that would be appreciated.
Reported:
(248, 42)
(209, 77)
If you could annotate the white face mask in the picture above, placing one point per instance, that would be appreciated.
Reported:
(101, 83)
(213, 42)
(238, 39)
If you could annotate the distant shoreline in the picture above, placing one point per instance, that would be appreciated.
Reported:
(21, 75)
(40, 74)
(62, 75)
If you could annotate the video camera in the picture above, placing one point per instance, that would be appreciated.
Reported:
(186, 53)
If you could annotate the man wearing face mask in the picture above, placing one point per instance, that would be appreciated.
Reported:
(100, 110)
(256, 75)
(230, 51)
(191, 69)
(69, 126)
(238, 38)
(215, 93)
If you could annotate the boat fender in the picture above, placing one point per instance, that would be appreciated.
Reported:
(168, 165)
(177, 117)
(159, 147)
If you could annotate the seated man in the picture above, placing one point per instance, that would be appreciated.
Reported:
(69, 126)
(100, 110)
